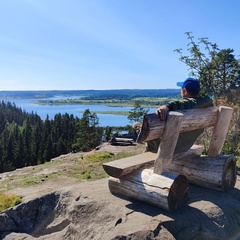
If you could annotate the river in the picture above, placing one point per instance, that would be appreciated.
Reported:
(76, 109)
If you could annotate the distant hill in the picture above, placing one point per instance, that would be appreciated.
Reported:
(93, 94)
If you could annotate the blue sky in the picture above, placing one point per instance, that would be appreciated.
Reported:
(106, 44)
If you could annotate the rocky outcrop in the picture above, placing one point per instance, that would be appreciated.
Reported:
(89, 211)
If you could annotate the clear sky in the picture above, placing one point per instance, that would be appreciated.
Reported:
(106, 44)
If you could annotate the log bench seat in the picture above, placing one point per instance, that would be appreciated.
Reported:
(121, 140)
(124, 166)
(162, 178)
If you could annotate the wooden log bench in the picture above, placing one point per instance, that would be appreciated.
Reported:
(146, 176)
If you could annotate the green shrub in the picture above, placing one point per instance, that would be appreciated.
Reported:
(86, 175)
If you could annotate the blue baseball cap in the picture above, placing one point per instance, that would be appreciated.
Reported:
(191, 84)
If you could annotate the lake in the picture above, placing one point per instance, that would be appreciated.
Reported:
(76, 109)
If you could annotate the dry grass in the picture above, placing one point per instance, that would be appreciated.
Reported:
(8, 200)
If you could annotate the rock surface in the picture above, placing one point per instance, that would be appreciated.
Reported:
(87, 210)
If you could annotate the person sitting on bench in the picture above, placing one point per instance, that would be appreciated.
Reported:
(190, 90)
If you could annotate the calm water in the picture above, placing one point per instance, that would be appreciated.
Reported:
(75, 109)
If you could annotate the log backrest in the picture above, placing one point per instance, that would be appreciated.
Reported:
(184, 121)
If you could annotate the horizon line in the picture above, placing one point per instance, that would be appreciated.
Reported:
(89, 89)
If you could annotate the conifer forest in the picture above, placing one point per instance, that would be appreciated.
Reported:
(26, 140)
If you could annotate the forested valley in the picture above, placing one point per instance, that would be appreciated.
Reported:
(26, 140)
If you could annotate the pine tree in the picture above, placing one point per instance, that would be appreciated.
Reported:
(137, 112)
(89, 133)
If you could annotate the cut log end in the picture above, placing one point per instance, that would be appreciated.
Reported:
(229, 177)
(112, 171)
(178, 194)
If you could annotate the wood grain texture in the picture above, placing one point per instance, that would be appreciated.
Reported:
(220, 131)
(168, 192)
(168, 141)
(153, 127)
(217, 173)
(124, 166)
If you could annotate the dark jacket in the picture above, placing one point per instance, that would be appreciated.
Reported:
(190, 103)
(186, 139)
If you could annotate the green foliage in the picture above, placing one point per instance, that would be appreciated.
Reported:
(88, 134)
(219, 74)
(86, 175)
(8, 200)
(26, 140)
(137, 112)
(217, 69)
(108, 133)
(238, 161)
(232, 142)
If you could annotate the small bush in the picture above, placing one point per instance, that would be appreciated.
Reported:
(86, 175)
(8, 200)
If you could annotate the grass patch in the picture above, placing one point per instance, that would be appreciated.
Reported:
(8, 200)
(23, 181)
(90, 167)
(29, 181)
(106, 157)
(99, 157)
(33, 180)
(83, 168)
